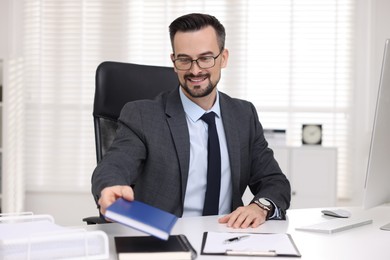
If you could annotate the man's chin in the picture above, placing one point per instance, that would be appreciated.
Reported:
(198, 92)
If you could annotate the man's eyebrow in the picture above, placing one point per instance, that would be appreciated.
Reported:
(207, 53)
(183, 56)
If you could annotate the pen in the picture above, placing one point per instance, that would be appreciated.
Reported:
(235, 239)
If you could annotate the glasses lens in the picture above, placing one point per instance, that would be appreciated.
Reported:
(206, 62)
(183, 64)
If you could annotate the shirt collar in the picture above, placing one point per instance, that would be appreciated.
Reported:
(193, 111)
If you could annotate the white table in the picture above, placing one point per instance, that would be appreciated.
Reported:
(366, 242)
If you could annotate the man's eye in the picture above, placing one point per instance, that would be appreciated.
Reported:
(205, 59)
(184, 61)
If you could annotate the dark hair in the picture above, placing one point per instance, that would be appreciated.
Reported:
(197, 21)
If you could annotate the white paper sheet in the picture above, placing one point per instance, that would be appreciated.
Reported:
(281, 244)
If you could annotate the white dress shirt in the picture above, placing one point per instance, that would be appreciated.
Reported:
(197, 175)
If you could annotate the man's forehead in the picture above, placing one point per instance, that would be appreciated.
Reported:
(196, 42)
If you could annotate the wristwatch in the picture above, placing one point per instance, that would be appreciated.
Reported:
(264, 204)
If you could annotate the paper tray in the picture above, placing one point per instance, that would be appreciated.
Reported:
(46, 240)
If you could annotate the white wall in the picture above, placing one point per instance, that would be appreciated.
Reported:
(3, 27)
(3, 47)
(67, 208)
(373, 27)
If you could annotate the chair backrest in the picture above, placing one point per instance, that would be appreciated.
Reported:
(118, 83)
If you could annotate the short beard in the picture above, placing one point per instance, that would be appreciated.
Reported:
(198, 94)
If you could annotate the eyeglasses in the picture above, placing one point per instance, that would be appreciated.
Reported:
(204, 62)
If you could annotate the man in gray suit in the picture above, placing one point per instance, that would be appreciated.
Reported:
(159, 155)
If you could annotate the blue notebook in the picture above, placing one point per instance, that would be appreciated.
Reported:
(142, 217)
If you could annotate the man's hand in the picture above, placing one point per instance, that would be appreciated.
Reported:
(243, 217)
(111, 194)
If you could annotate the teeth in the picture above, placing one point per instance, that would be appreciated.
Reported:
(197, 79)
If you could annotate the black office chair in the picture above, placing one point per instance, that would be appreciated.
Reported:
(116, 84)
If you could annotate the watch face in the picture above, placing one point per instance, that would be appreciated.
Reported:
(311, 134)
(265, 202)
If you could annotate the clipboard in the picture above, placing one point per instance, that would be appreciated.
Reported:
(249, 244)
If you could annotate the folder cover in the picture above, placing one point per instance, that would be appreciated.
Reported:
(142, 217)
(176, 247)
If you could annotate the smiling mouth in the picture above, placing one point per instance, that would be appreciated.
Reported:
(196, 79)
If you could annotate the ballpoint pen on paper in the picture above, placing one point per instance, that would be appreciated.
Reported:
(235, 239)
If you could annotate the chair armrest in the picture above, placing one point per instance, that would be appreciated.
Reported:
(94, 220)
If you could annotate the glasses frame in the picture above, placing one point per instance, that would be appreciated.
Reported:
(196, 60)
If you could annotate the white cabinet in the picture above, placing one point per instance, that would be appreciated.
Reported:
(312, 171)
(313, 175)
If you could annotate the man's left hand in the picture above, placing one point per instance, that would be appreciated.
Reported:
(245, 216)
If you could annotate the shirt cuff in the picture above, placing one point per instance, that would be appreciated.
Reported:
(278, 213)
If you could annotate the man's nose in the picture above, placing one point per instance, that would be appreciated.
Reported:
(195, 67)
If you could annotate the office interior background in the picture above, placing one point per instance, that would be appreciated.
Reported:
(298, 61)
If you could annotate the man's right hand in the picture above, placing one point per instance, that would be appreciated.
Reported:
(111, 194)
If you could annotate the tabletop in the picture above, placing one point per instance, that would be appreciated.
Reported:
(365, 242)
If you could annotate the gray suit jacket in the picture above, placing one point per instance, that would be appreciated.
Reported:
(152, 152)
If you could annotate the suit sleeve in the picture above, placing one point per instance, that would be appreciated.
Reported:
(124, 160)
(267, 179)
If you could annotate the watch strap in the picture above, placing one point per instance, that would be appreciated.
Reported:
(270, 209)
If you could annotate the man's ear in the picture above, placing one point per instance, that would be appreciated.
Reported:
(225, 58)
(172, 59)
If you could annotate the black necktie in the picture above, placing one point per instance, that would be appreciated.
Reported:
(211, 202)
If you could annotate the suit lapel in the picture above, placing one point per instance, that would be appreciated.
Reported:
(233, 145)
(177, 123)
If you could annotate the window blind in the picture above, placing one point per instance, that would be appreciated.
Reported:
(292, 59)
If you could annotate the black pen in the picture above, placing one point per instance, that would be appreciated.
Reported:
(235, 239)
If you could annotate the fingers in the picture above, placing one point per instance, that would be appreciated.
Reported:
(127, 193)
(224, 219)
(111, 194)
(244, 217)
